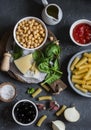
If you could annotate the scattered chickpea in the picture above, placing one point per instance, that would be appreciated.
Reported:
(51, 38)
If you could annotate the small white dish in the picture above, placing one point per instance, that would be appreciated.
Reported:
(79, 54)
(81, 21)
(48, 19)
(30, 18)
(7, 92)
(18, 109)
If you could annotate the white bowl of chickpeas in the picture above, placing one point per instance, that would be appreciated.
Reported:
(30, 33)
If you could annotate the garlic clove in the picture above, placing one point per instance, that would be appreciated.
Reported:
(71, 114)
(58, 125)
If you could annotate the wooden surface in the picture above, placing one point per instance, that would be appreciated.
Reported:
(13, 72)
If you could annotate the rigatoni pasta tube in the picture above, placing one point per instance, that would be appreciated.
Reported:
(88, 82)
(79, 76)
(87, 55)
(80, 88)
(60, 111)
(45, 87)
(38, 91)
(89, 60)
(45, 98)
(81, 71)
(85, 66)
(41, 120)
(87, 74)
(87, 87)
(74, 63)
(78, 81)
(82, 61)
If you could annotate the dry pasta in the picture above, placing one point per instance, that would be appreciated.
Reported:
(87, 55)
(38, 91)
(41, 120)
(60, 111)
(80, 76)
(45, 87)
(87, 74)
(82, 61)
(89, 60)
(80, 88)
(85, 66)
(74, 63)
(45, 98)
(81, 73)
(78, 81)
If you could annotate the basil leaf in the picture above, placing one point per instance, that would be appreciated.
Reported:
(52, 78)
(44, 67)
(37, 55)
(17, 53)
(52, 50)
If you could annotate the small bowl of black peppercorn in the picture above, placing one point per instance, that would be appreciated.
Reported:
(25, 112)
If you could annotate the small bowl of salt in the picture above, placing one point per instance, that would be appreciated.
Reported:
(7, 92)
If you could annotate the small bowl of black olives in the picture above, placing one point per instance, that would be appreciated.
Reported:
(25, 112)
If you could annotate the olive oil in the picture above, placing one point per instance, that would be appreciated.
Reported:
(52, 11)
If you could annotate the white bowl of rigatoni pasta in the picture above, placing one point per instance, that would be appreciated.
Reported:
(79, 73)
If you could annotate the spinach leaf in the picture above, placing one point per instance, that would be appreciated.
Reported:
(17, 53)
(47, 62)
(56, 65)
(44, 67)
(52, 78)
(38, 55)
(52, 50)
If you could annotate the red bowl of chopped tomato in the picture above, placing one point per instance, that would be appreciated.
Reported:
(80, 32)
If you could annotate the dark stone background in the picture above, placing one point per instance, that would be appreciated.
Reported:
(13, 10)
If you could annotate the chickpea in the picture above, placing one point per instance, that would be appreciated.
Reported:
(35, 45)
(36, 23)
(36, 41)
(24, 45)
(29, 32)
(29, 22)
(35, 36)
(32, 39)
(31, 29)
(29, 42)
(37, 27)
(34, 27)
(33, 20)
(17, 37)
(43, 34)
(31, 25)
(39, 38)
(26, 24)
(23, 40)
(32, 46)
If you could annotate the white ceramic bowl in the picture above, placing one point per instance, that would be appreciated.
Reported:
(14, 117)
(74, 25)
(79, 54)
(29, 18)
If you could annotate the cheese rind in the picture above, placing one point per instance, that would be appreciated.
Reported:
(24, 63)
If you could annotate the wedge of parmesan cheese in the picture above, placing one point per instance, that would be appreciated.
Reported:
(24, 63)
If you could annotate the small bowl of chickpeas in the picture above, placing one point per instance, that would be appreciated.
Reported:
(30, 33)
